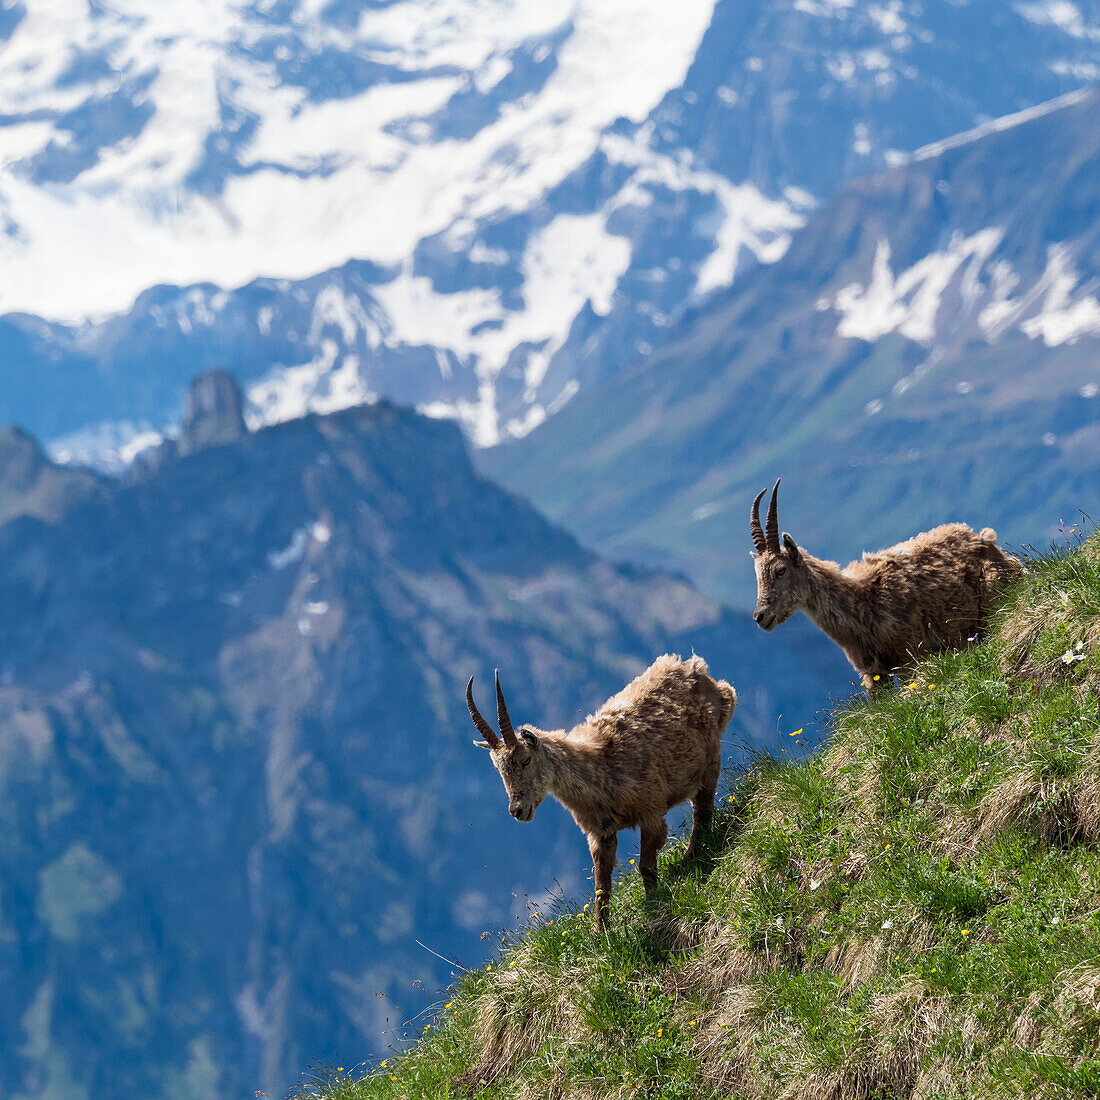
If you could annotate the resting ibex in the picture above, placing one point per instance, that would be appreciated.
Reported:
(655, 744)
(893, 607)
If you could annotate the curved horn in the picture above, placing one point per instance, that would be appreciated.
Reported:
(771, 530)
(755, 529)
(503, 720)
(483, 727)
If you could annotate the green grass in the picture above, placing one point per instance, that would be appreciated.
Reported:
(914, 911)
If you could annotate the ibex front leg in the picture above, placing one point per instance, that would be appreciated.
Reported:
(603, 850)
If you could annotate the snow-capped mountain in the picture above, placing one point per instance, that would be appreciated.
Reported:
(479, 207)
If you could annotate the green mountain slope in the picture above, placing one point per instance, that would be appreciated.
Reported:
(914, 911)
(882, 367)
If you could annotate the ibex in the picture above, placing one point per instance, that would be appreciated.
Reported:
(652, 746)
(929, 594)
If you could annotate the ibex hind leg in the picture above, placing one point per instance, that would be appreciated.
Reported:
(654, 835)
(702, 806)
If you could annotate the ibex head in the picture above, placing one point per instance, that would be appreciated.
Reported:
(520, 758)
(781, 577)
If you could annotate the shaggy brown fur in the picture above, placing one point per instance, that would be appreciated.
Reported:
(886, 611)
(652, 746)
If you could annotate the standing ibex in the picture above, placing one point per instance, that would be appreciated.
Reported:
(655, 744)
(891, 608)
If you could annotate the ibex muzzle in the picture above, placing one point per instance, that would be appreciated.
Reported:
(777, 564)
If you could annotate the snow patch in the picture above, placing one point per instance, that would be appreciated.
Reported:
(1062, 320)
(320, 386)
(909, 302)
(109, 446)
(294, 550)
(1062, 14)
(1007, 122)
(750, 220)
(571, 261)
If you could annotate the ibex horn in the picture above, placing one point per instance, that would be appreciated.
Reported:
(503, 720)
(771, 531)
(483, 727)
(755, 529)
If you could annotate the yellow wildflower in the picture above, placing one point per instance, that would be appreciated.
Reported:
(797, 732)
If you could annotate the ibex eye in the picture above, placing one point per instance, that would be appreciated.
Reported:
(780, 570)
(527, 762)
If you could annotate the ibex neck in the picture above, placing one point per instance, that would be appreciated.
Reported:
(833, 601)
(573, 770)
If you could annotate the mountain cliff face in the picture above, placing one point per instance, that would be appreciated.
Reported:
(236, 779)
(927, 350)
(480, 209)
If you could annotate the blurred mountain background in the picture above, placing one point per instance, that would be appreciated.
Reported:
(630, 262)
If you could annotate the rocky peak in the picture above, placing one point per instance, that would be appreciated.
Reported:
(32, 485)
(214, 412)
(21, 458)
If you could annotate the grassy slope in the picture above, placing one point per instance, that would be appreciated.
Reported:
(915, 911)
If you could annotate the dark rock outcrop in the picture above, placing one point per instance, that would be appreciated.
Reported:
(214, 412)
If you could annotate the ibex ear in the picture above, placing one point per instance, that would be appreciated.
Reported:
(531, 739)
(753, 554)
(482, 744)
(792, 547)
